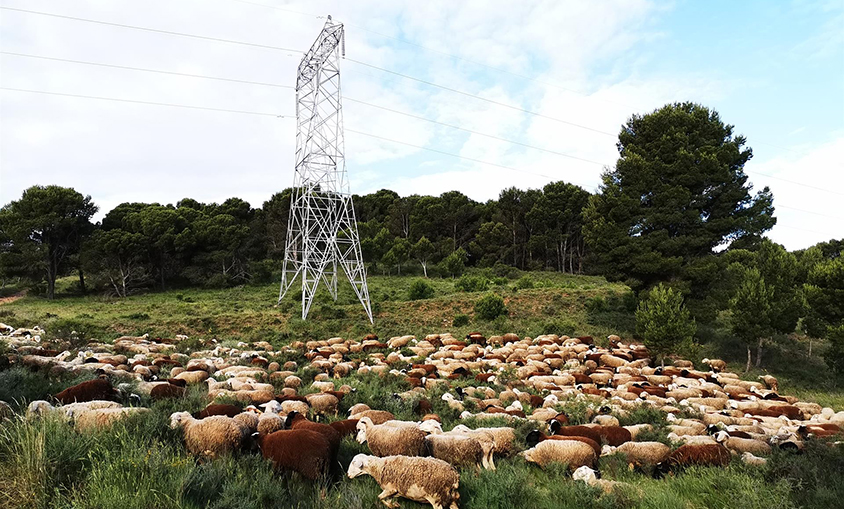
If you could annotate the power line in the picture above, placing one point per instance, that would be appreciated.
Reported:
(794, 182)
(80, 96)
(155, 30)
(455, 155)
(100, 64)
(467, 94)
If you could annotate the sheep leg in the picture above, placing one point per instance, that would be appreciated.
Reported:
(385, 498)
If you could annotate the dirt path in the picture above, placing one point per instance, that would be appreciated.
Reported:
(12, 298)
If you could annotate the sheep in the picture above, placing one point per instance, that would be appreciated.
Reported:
(591, 433)
(217, 409)
(503, 438)
(391, 441)
(99, 418)
(295, 420)
(211, 436)
(97, 389)
(573, 453)
(643, 453)
(770, 382)
(301, 450)
(418, 479)
(717, 365)
(6, 411)
(247, 420)
(535, 436)
(458, 450)
(357, 408)
(693, 454)
(749, 459)
(345, 427)
(269, 422)
(376, 416)
(590, 477)
(741, 445)
(192, 377)
(323, 404)
(166, 391)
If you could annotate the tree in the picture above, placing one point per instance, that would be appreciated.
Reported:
(423, 251)
(399, 252)
(751, 309)
(48, 223)
(118, 256)
(663, 322)
(824, 293)
(678, 192)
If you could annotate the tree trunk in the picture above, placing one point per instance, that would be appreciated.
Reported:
(82, 282)
(810, 347)
(759, 353)
(425, 269)
(747, 367)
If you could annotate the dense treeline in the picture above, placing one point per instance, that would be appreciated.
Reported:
(676, 210)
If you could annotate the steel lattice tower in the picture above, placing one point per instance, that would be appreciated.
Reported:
(322, 231)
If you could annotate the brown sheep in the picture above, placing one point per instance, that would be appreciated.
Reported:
(295, 420)
(218, 409)
(589, 432)
(695, 454)
(166, 391)
(97, 389)
(345, 427)
(301, 450)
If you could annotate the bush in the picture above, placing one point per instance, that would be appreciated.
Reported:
(420, 289)
(524, 283)
(663, 322)
(472, 283)
(460, 320)
(490, 307)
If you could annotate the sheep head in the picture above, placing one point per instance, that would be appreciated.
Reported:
(356, 467)
(585, 474)
(178, 419)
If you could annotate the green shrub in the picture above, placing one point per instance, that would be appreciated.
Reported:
(524, 283)
(460, 320)
(420, 289)
(476, 283)
(663, 322)
(74, 329)
(490, 307)
(596, 304)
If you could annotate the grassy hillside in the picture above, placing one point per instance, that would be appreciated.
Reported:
(143, 463)
(538, 302)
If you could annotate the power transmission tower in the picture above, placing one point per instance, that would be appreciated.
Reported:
(322, 234)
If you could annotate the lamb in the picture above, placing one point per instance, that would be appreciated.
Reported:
(458, 450)
(573, 453)
(644, 453)
(211, 436)
(749, 459)
(391, 441)
(99, 418)
(590, 477)
(97, 389)
(301, 450)
(419, 479)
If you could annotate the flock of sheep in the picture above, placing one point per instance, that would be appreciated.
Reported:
(712, 414)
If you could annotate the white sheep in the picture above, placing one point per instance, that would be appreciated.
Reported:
(420, 479)
(572, 453)
(211, 436)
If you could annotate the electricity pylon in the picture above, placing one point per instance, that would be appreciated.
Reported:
(322, 235)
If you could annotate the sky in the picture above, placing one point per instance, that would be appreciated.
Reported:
(540, 89)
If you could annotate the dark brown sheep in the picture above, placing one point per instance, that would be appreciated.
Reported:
(591, 433)
(615, 435)
(295, 420)
(97, 389)
(167, 391)
(218, 409)
(715, 455)
(300, 450)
